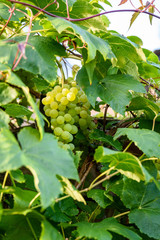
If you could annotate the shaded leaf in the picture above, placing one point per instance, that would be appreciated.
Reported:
(140, 103)
(16, 110)
(148, 141)
(4, 119)
(135, 15)
(101, 136)
(40, 55)
(124, 162)
(151, 10)
(49, 232)
(7, 93)
(100, 197)
(94, 43)
(18, 176)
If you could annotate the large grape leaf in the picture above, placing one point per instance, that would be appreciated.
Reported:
(4, 119)
(44, 159)
(101, 230)
(4, 12)
(94, 43)
(40, 55)
(109, 89)
(124, 162)
(148, 141)
(16, 110)
(49, 232)
(144, 201)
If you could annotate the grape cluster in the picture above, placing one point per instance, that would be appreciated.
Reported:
(68, 108)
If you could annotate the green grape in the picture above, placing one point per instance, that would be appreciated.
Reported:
(70, 138)
(71, 96)
(87, 105)
(59, 96)
(66, 146)
(66, 86)
(82, 122)
(57, 89)
(83, 98)
(67, 127)
(67, 117)
(83, 114)
(54, 105)
(78, 110)
(47, 112)
(64, 101)
(46, 107)
(73, 84)
(61, 113)
(54, 122)
(60, 119)
(76, 119)
(61, 107)
(60, 144)
(53, 113)
(65, 135)
(58, 131)
(72, 112)
(92, 125)
(47, 100)
(71, 105)
(74, 90)
(65, 91)
(74, 129)
(72, 121)
(72, 147)
(70, 79)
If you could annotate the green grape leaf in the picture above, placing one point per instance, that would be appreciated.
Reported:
(100, 197)
(101, 136)
(4, 12)
(40, 55)
(94, 43)
(4, 119)
(16, 110)
(43, 158)
(9, 223)
(101, 230)
(124, 162)
(15, 80)
(148, 141)
(18, 176)
(49, 232)
(143, 200)
(7, 93)
(150, 108)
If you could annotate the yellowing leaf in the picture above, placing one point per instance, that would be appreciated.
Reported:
(122, 2)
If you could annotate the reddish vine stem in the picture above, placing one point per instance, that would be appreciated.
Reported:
(11, 13)
(37, 14)
(82, 19)
(150, 84)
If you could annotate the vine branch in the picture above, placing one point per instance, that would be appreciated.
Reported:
(81, 19)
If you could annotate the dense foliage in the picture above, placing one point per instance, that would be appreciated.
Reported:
(68, 172)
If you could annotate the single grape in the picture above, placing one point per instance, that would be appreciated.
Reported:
(67, 127)
(60, 119)
(92, 125)
(74, 129)
(78, 110)
(64, 101)
(87, 105)
(73, 84)
(58, 131)
(46, 107)
(65, 91)
(72, 121)
(67, 117)
(61, 107)
(47, 112)
(83, 114)
(72, 147)
(71, 96)
(76, 118)
(54, 105)
(82, 122)
(66, 86)
(71, 105)
(74, 90)
(54, 122)
(65, 135)
(53, 113)
(57, 89)
(59, 96)
(47, 100)
(83, 98)
(61, 113)
(72, 112)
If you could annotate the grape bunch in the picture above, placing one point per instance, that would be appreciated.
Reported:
(68, 108)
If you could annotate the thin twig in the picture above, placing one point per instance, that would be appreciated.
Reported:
(150, 84)
(104, 120)
(85, 175)
(11, 10)
(49, 4)
(67, 9)
(82, 19)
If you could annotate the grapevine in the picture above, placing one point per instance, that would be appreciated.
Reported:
(69, 111)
